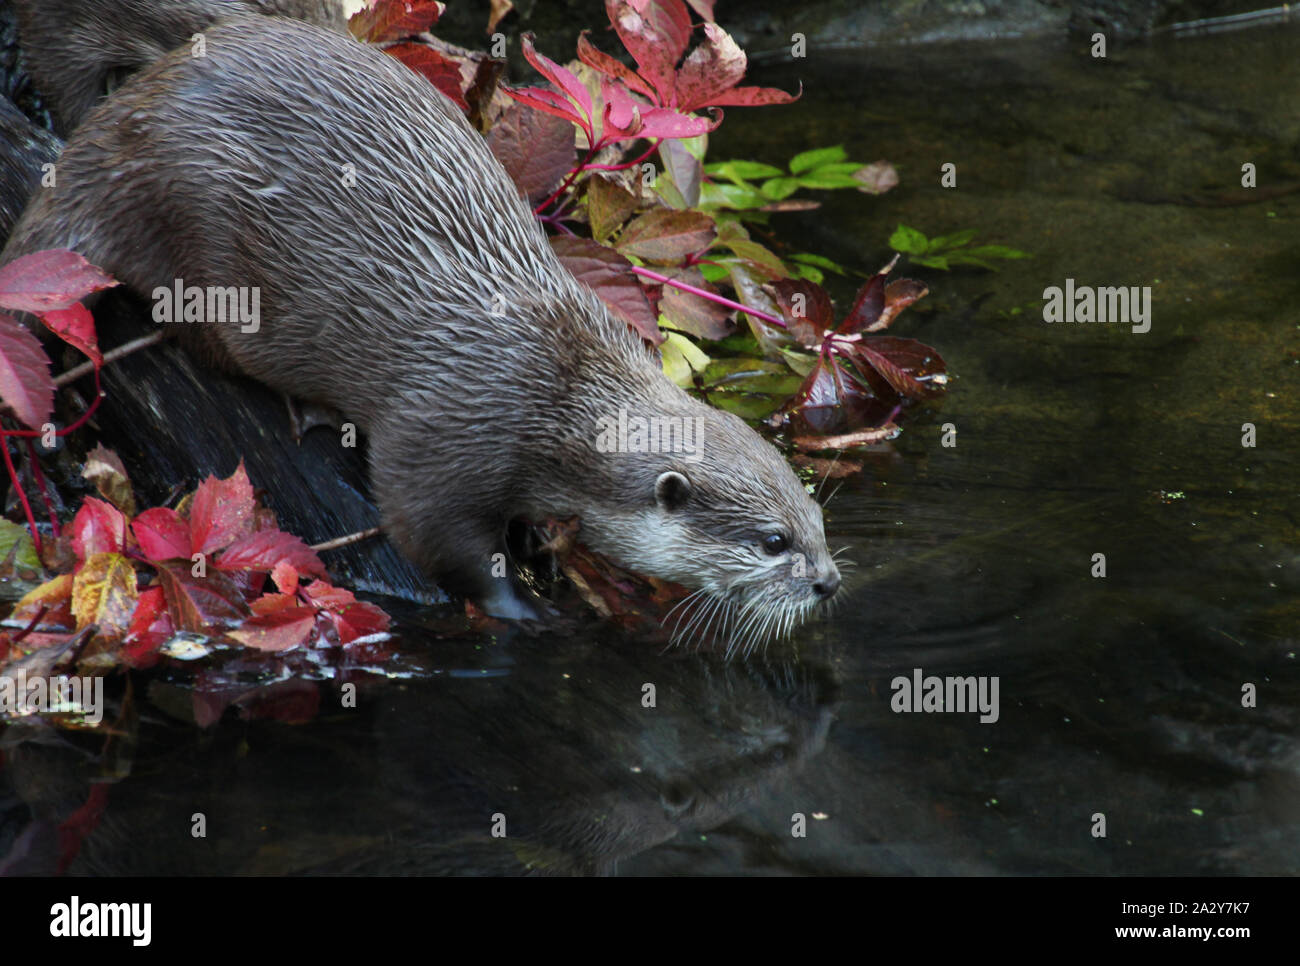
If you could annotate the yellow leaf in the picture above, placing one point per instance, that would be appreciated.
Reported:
(104, 592)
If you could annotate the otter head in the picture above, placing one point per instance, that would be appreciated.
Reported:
(704, 501)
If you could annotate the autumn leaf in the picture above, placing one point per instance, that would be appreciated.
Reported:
(54, 597)
(150, 628)
(75, 326)
(104, 593)
(98, 527)
(610, 276)
(26, 386)
(200, 604)
(442, 73)
(265, 550)
(49, 280)
(162, 534)
(534, 147)
(222, 511)
(351, 618)
(105, 470)
(278, 623)
(666, 237)
(388, 20)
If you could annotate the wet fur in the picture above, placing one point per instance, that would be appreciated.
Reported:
(77, 49)
(378, 300)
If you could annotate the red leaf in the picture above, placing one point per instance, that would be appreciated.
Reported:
(656, 34)
(52, 279)
(200, 604)
(98, 527)
(610, 276)
(535, 148)
(693, 313)
(278, 628)
(898, 296)
(909, 366)
(600, 61)
(150, 628)
(162, 534)
(628, 118)
(222, 511)
(26, 387)
(264, 550)
(665, 236)
(806, 306)
(438, 70)
(575, 91)
(75, 326)
(352, 618)
(285, 577)
(868, 305)
(710, 74)
(391, 19)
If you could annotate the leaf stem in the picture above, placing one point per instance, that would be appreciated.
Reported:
(711, 296)
(22, 497)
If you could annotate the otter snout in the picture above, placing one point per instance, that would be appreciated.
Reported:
(826, 587)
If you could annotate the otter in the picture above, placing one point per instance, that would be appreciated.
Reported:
(80, 50)
(405, 282)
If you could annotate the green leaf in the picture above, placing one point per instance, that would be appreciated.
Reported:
(821, 261)
(810, 272)
(779, 188)
(758, 256)
(741, 170)
(750, 375)
(682, 357)
(742, 343)
(826, 182)
(932, 261)
(839, 167)
(745, 405)
(25, 556)
(714, 195)
(800, 362)
(807, 160)
(997, 251)
(909, 241)
(955, 240)
(712, 272)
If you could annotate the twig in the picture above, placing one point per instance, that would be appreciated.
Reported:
(351, 538)
(112, 355)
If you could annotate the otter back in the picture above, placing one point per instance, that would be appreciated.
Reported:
(79, 50)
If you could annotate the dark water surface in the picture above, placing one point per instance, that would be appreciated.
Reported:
(1119, 695)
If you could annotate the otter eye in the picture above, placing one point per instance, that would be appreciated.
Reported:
(672, 490)
(774, 543)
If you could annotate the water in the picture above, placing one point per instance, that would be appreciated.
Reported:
(1119, 696)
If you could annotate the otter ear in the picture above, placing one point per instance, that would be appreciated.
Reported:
(672, 490)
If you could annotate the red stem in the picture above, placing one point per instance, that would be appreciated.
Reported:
(22, 497)
(711, 296)
(626, 164)
(573, 175)
(39, 476)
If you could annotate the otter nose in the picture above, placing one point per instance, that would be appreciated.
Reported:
(826, 587)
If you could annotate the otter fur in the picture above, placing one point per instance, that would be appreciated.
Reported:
(404, 282)
(80, 50)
